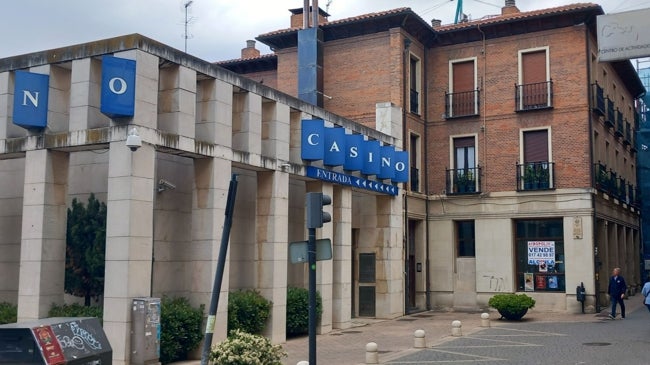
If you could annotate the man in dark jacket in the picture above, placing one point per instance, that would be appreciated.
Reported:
(616, 291)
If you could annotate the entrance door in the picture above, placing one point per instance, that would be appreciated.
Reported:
(411, 267)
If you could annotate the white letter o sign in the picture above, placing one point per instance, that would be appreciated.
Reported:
(121, 83)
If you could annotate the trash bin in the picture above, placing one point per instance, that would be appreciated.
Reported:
(54, 341)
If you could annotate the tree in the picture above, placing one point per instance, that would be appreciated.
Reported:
(85, 249)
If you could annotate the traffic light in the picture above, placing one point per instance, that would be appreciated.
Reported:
(315, 215)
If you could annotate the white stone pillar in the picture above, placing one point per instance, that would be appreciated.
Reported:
(129, 240)
(177, 102)
(272, 224)
(85, 95)
(247, 123)
(275, 130)
(214, 112)
(42, 253)
(7, 127)
(390, 257)
(212, 178)
(342, 257)
(146, 86)
(58, 98)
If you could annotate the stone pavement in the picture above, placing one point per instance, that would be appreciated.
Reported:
(395, 337)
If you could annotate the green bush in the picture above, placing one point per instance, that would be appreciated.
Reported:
(512, 306)
(76, 310)
(298, 310)
(8, 313)
(180, 327)
(241, 348)
(248, 311)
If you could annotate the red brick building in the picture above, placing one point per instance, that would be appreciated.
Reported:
(521, 147)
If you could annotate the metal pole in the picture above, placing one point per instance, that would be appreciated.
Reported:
(311, 248)
(218, 276)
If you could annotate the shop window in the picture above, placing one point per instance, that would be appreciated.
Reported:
(540, 255)
(465, 238)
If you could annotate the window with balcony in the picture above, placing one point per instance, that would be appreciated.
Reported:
(462, 100)
(537, 171)
(534, 90)
(414, 85)
(463, 178)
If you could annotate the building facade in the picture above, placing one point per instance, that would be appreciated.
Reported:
(522, 146)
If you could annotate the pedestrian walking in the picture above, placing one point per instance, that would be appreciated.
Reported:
(646, 293)
(616, 291)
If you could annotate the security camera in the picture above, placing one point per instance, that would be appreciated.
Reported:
(133, 140)
(165, 185)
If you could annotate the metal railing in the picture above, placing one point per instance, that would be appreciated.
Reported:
(463, 181)
(415, 179)
(415, 101)
(598, 99)
(534, 96)
(462, 104)
(536, 176)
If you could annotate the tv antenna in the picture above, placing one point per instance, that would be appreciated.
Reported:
(186, 5)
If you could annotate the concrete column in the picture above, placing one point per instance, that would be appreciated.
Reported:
(85, 95)
(177, 100)
(390, 257)
(129, 240)
(214, 112)
(212, 179)
(146, 83)
(247, 123)
(275, 130)
(342, 257)
(12, 179)
(295, 142)
(58, 99)
(272, 223)
(42, 253)
(7, 127)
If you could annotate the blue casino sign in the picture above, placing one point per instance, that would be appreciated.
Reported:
(31, 92)
(354, 153)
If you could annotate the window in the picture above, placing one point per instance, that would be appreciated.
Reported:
(462, 99)
(465, 238)
(464, 175)
(414, 146)
(540, 255)
(536, 172)
(534, 89)
(414, 83)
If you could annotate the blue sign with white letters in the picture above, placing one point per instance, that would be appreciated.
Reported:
(372, 158)
(335, 143)
(386, 169)
(118, 87)
(401, 166)
(31, 92)
(313, 139)
(354, 154)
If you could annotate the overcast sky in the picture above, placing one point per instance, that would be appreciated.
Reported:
(217, 29)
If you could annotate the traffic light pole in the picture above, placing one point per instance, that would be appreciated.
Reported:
(311, 253)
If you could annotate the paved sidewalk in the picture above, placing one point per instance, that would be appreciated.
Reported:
(395, 337)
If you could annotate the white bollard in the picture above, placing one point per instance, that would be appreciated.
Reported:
(372, 354)
(455, 328)
(303, 362)
(485, 320)
(418, 339)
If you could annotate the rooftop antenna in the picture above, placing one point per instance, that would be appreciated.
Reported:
(459, 12)
(187, 5)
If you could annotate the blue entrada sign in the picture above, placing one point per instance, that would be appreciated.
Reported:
(351, 151)
(349, 180)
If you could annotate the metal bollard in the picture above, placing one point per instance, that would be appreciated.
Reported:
(372, 355)
(485, 320)
(455, 328)
(303, 362)
(418, 339)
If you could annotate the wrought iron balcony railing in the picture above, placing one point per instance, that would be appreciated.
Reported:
(610, 116)
(534, 96)
(463, 181)
(536, 176)
(598, 99)
(462, 104)
(415, 101)
(415, 179)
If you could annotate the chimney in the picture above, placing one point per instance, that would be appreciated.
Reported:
(250, 51)
(436, 23)
(510, 8)
(297, 17)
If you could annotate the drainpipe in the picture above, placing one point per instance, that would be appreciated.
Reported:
(425, 108)
(405, 235)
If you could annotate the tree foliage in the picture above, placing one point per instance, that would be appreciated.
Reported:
(85, 249)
